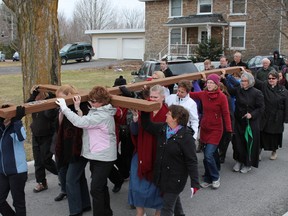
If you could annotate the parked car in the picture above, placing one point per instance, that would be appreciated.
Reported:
(200, 65)
(16, 56)
(176, 66)
(77, 51)
(256, 62)
(2, 56)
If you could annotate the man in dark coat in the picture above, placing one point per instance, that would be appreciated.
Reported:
(277, 60)
(238, 61)
(262, 73)
(120, 81)
(167, 72)
(42, 128)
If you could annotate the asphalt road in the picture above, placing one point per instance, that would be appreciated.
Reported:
(261, 192)
(71, 65)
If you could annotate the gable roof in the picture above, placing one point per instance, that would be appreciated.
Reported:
(197, 20)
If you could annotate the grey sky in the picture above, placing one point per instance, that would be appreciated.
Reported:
(67, 6)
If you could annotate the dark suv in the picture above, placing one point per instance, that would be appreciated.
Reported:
(176, 66)
(76, 51)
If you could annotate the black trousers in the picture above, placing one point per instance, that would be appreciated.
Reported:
(43, 157)
(223, 145)
(121, 168)
(172, 205)
(16, 184)
(100, 171)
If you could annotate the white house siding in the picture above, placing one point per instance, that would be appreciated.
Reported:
(118, 44)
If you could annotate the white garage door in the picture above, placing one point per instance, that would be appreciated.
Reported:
(107, 48)
(133, 48)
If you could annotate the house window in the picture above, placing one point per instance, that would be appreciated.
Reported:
(238, 6)
(237, 35)
(204, 36)
(175, 8)
(205, 6)
(175, 36)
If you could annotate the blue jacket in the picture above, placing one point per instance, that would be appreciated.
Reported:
(12, 152)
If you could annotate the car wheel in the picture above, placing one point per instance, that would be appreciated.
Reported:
(87, 58)
(63, 61)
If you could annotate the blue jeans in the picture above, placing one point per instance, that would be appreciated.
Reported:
(76, 186)
(211, 170)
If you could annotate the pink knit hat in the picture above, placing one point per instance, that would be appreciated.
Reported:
(215, 78)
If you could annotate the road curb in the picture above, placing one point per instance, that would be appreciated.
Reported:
(31, 169)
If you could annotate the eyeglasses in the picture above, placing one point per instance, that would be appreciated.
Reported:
(210, 82)
(244, 80)
(271, 78)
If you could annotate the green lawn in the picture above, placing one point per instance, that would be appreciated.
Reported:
(11, 86)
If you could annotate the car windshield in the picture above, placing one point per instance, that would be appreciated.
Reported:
(182, 68)
(66, 48)
(143, 68)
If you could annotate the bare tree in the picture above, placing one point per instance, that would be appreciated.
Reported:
(94, 14)
(37, 26)
(70, 31)
(132, 18)
(275, 11)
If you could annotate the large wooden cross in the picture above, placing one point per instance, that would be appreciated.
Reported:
(117, 99)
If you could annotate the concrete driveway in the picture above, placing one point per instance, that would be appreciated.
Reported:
(71, 65)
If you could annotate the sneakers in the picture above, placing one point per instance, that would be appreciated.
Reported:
(205, 184)
(237, 167)
(245, 169)
(216, 184)
(273, 155)
(40, 187)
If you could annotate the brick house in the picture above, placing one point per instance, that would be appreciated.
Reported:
(175, 27)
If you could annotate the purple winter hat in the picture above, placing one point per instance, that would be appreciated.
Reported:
(215, 78)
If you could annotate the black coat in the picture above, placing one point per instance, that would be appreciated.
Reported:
(43, 123)
(169, 73)
(276, 107)
(175, 158)
(251, 101)
(243, 64)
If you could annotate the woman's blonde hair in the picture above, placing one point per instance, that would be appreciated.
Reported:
(160, 74)
(66, 89)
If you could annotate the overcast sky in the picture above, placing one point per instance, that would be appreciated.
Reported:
(67, 6)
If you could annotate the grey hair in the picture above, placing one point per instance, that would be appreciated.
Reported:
(250, 77)
(266, 59)
(159, 89)
(274, 73)
(238, 54)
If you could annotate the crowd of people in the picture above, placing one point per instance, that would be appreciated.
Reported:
(156, 151)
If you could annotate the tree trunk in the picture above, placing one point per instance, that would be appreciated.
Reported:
(38, 33)
(39, 40)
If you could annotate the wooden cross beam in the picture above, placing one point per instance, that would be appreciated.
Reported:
(175, 79)
(117, 100)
